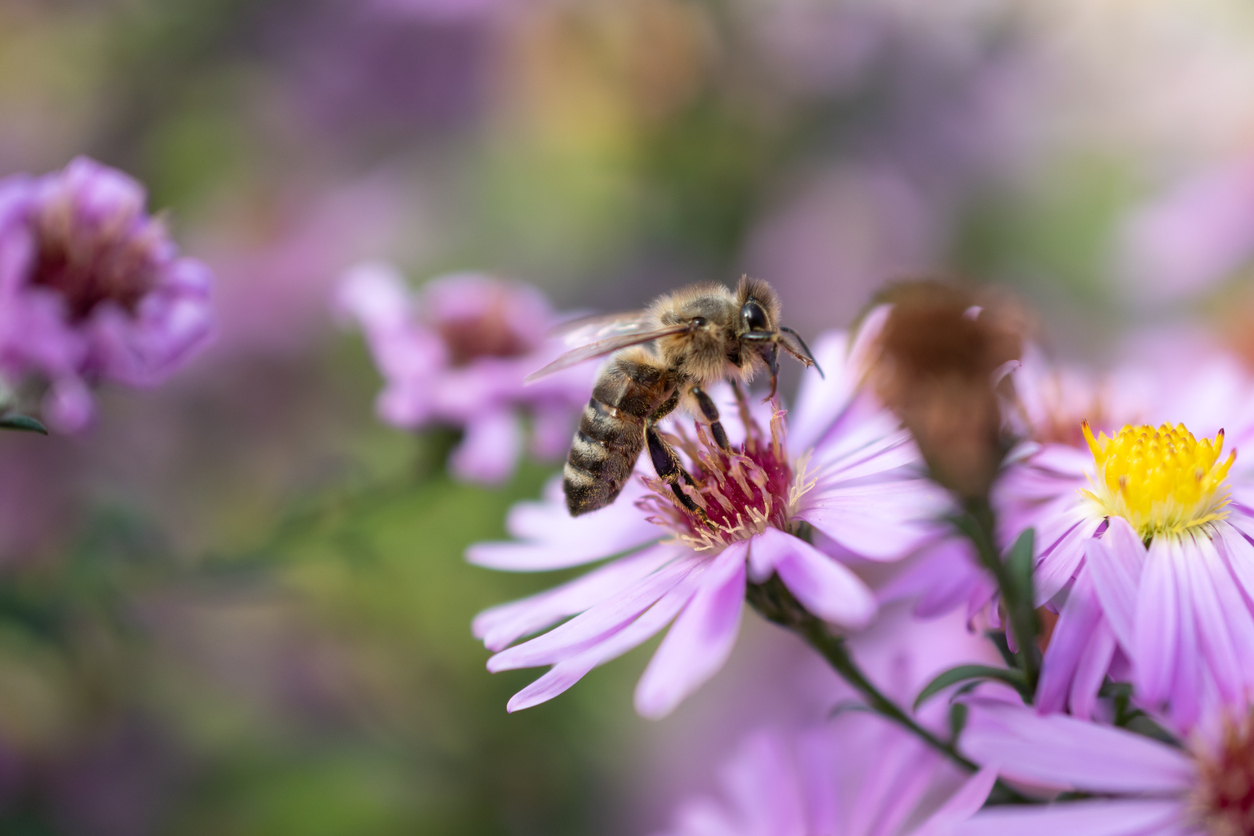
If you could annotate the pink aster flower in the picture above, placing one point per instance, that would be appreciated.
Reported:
(855, 776)
(1146, 786)
(847, 470)
(456, 354)
(1142, 549)
(92, 288)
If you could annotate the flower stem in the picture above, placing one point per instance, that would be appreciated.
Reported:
(1020, 613)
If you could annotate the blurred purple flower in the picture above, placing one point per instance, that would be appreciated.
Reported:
(456, 354)
(1144, 786)
(92, 288)
(858, 482)
(1191, 238)
(809, 786)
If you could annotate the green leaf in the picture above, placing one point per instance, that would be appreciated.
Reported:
(23, 423)
(957, 720)
(962, 673)
(1019, 566)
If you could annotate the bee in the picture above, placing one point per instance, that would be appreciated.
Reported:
(697, 336)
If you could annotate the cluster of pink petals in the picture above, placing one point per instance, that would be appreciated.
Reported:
(1145, 787)
(456, 354)
(869, 499)
(1175, 617)
(92, 289)
(814, 784)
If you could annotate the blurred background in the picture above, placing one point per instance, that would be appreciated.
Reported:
(238, 605)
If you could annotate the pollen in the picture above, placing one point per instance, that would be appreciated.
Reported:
(739, 492)
(1163, 481)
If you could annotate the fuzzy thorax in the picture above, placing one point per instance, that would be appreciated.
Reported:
(1162, 481)
(740, 493)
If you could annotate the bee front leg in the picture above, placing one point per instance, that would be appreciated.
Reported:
(670, 470)
(710, 411)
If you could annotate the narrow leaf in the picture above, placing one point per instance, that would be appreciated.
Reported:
(22, 423)
(962, 673)
(1019, 566)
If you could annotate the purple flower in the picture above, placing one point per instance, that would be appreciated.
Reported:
(809, 785)
(1146, 786)
(1144, 550)
(456, 355)
(92, 288)
(856, 478)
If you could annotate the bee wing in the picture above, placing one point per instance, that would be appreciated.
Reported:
(595, 328)
(602, 347)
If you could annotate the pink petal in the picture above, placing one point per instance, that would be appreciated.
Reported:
(1213, 605)
(1115, 562)
(503, 624)
(593, 626)
(820, 401)
(489, 451)
(883, 521)
(1076, 622)
(569, 671)
(1080, 818)
(823, 586)
(962, 805)
(1066, 753)
(701, 639)
(1056, 569)
(1090, 673)
(1158, 619)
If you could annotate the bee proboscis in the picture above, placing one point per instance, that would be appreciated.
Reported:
(700, 335)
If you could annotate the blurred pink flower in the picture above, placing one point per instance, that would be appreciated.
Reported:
(1143, 785)
(92, 288)
(456, 354)
(810, 786)
(1191, 238)
(858, 482)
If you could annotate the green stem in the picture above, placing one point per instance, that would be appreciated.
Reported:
(1020, 614)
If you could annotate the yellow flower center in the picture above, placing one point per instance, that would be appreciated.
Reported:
(1162, 481)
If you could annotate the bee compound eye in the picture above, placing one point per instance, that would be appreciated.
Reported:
(698, 322)
(753, 316)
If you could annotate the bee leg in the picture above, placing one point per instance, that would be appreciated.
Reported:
(773, 362)
(669, 470)
(710, 411)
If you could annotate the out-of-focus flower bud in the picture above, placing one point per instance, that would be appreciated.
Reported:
(92, 288)
(936, 362)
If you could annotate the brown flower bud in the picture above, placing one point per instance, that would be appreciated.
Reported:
(934, 363)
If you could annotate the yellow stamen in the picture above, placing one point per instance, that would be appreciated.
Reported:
(1162, 481)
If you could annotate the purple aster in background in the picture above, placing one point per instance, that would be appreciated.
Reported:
(455, 354)
(92, 289)
(848, 470)
(1147, 787)
(808, 785)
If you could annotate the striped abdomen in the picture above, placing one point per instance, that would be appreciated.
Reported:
(611, 430)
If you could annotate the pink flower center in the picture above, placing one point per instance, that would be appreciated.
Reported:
(1224, 798)
(738, 493)
(89, 263)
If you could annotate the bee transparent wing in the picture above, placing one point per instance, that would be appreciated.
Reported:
(606, 346)
(592, 329)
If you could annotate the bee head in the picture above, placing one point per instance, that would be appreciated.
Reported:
(760, 336)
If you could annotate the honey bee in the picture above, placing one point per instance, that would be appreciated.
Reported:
(699, 336)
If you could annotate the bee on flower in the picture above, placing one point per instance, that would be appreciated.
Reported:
(840, 467)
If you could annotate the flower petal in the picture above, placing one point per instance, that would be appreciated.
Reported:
(593, 626)
(701, 639)
(1115, 563)
(1076, 622)
(1080, 818)
(823, 586)
(962, 805)
(1066, 753)
(884, 521)
(501, 625)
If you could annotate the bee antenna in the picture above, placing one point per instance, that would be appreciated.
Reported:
(806, 354)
